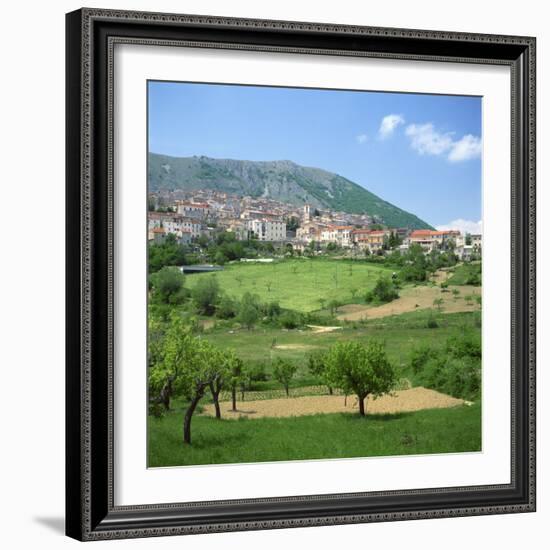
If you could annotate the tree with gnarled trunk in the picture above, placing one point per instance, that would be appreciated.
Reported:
(363, 370)
(229, 374)
(202, 368)
(192, 363)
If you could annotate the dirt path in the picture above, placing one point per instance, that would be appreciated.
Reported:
(413, 298)
(414, 399)
(315, 329)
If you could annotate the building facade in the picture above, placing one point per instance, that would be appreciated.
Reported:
(267, 230)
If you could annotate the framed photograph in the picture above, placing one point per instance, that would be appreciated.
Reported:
(300, 274)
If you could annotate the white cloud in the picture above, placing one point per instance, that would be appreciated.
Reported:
(426, 140)
(361, 138)
(464, 226)
(389, 124)
(469, 147)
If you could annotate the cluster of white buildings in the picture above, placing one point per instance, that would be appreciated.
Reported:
(375, 240)
(204, 212)
(185, 228)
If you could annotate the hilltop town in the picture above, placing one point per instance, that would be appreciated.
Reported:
(207, 213)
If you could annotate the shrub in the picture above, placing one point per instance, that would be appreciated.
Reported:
(273, 309)
(413, 273)
(420, 356)
(220, 258)
(290, 320)
(227, 308)
(459, 377)
(467, 345)
(384, 291)
(432, 322)
(454, 370)
(473, 279)
(206, 294)
(167, 285)
(333, 306)
(249, 310)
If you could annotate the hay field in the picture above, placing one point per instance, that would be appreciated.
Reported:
(414, 399)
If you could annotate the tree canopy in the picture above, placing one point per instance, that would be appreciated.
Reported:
(167, 253)
(363, 370)
(167, 284)
(206, 294)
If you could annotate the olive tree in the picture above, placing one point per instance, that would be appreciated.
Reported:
(283, 372)
(192, 364)
(165, 357)
(363, 370)
(249, 311)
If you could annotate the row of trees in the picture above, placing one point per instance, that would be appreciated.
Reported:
(185, 365)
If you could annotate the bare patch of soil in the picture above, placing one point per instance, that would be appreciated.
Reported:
(414, 399)
(413, 298)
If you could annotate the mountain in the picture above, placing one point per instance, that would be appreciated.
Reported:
(280, 180)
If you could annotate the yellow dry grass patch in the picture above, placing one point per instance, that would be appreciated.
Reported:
(414, 399)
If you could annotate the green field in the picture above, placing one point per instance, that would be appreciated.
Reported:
(309, 285)
(466, 274)
(319, 436)
(303, 285)
(400, 333)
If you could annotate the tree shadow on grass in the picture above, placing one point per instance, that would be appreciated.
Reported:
(377, 417)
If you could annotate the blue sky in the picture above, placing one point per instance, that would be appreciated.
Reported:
(419, 152)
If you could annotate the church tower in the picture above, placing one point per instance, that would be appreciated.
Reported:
(307, 213)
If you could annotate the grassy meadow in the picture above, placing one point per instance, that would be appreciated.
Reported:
(303, 285)
(318, 436)
(400, 334)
